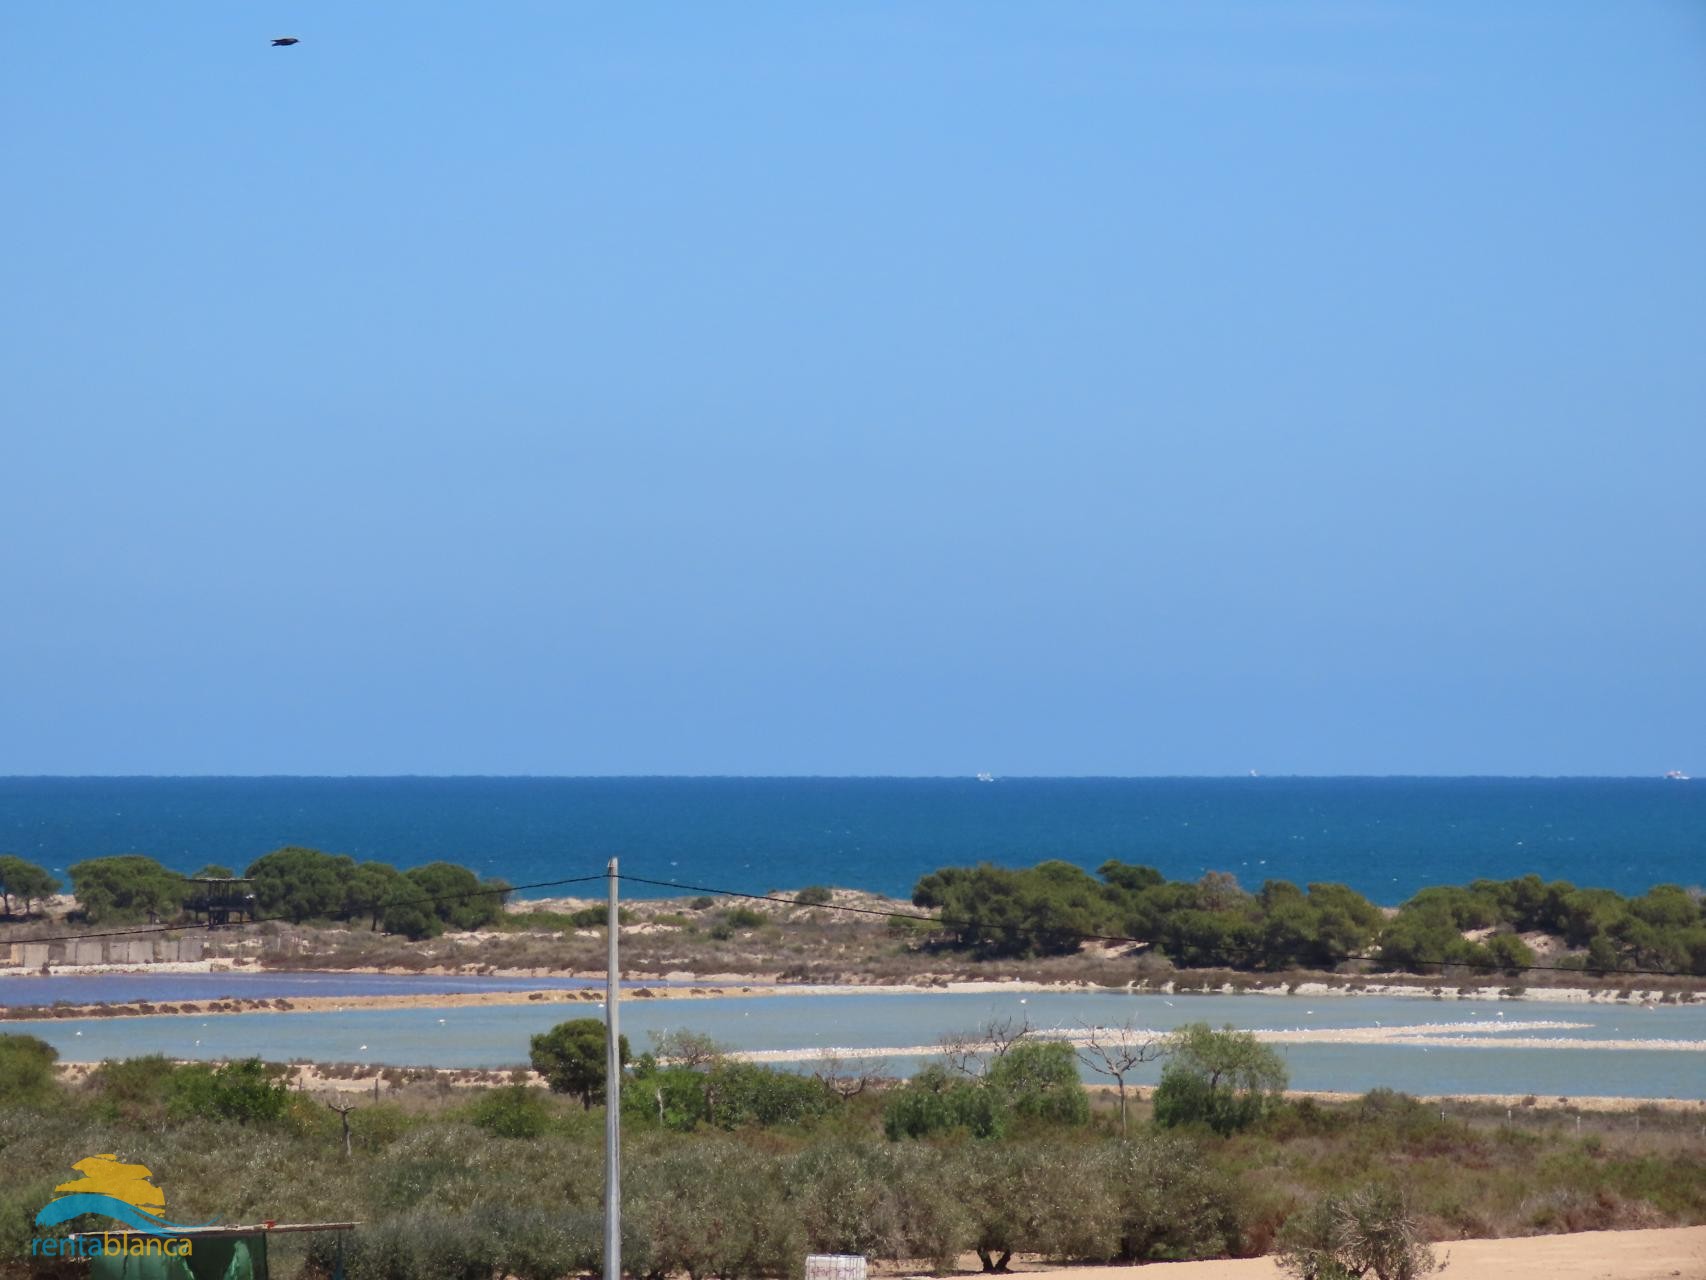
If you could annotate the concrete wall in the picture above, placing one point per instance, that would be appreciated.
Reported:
(92, 951)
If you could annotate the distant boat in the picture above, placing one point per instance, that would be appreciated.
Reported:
(986, 777)
(1675, 775)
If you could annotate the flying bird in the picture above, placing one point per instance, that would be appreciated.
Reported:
(284, 42)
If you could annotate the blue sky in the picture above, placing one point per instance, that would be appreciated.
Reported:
(1112, 388)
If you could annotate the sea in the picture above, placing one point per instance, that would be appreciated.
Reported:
(1386, 837)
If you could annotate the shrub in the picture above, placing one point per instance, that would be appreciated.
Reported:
(884, 1201)
(26, 1068)
(1223, 1079)
(511, 1111)
(710, 1208)
(373, 1128)
(744, 1093)
(597, 917)
(247, 1091)
(746, 918)
(934, 1103)
(1367, 1232)
(133, 1087)
(1033, 1198)
(1172, 1202)
(1039, 1081)
(814, 895)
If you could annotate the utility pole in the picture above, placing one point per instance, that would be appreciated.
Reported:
(612, 1098)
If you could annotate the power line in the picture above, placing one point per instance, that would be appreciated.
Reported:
(1011, 926)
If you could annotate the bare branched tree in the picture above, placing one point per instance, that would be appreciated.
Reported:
(1118, 1051)
(973, 1053)
(849, 1077)
(683, 1048)
(343, 1111)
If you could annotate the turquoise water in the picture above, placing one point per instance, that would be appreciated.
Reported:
(1385, 836)
(496, 1036)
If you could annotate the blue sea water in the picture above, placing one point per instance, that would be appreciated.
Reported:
(1387, 837)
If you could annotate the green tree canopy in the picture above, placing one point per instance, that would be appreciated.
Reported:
(459, 898)
(570, 1056)
(1224, 1079)
(301, 884)
(369, 888)
(1039, 1080)
(126, 888)
(24, 882)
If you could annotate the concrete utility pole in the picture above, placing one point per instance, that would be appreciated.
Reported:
(612, 1098)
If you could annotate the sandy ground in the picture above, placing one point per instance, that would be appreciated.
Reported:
(1588, 1255)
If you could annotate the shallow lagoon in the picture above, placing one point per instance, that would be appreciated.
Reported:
(497, 1035)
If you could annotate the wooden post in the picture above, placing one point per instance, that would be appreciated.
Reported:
(343, 1114)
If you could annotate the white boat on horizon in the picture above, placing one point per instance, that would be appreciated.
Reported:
(1677, 775)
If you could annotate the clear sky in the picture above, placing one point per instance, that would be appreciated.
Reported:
(1118, 388)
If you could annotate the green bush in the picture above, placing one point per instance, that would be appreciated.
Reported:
(746, 918)
(710, 1208)
(511, 1111)
(27, 1069)
(247, 1091)
(1226, 1080)
(133, 1088)
(814, 895)
(723, 1094)
(1038, 1079)
(935, 1102)
(1173, 1203)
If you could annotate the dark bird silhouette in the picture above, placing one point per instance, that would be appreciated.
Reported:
(285, 42)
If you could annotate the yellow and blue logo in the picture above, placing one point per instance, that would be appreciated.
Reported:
(113, 1189)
